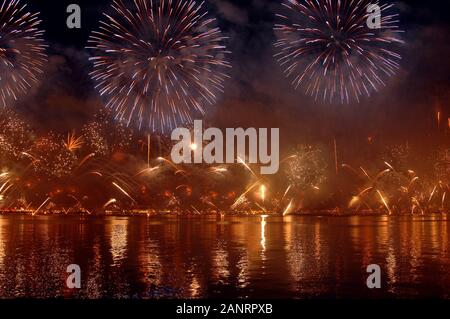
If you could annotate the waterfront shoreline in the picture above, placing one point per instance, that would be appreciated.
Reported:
(223, 214)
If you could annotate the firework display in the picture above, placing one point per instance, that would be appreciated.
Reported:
(105, 168)
(50, 156)
(327, 48)
(178, 150)
(103, 136)
(15, 135)
(307, 168)
(22, 50)
(158, 62)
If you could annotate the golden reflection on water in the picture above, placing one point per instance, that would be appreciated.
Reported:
(94, 284)
(118, 234)
(221, 265)
(263, 234)
(266, 256)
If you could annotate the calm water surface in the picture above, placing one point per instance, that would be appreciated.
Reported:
(230, 257)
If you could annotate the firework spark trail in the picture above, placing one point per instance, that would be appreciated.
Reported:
(416, 203)
(22, 50)
(123, 191)
(147, 171)
(443, 201)
(111, 201)
(196, 211)
(432, 193)
(177, 169)
(286, 192)
(85, 160)
(262, 193)
(80, 205)
(326, 47)
(219, 170)
(52, 157)
(4, 188)
(383, 199)
(242, 196)
(15, 135)
(241, 161)
(42, 205)
(288, 208)
(158, 61)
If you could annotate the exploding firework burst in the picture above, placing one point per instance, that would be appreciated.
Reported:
(95, 141)
(397, 156)
(73, 142)
(442, 167)
(15, 136)
(22, 50)
(104, 138)
(158, 61)
(327, 48)
(51, 157)
(307, 169)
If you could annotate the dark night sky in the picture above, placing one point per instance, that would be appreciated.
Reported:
(258, 95)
